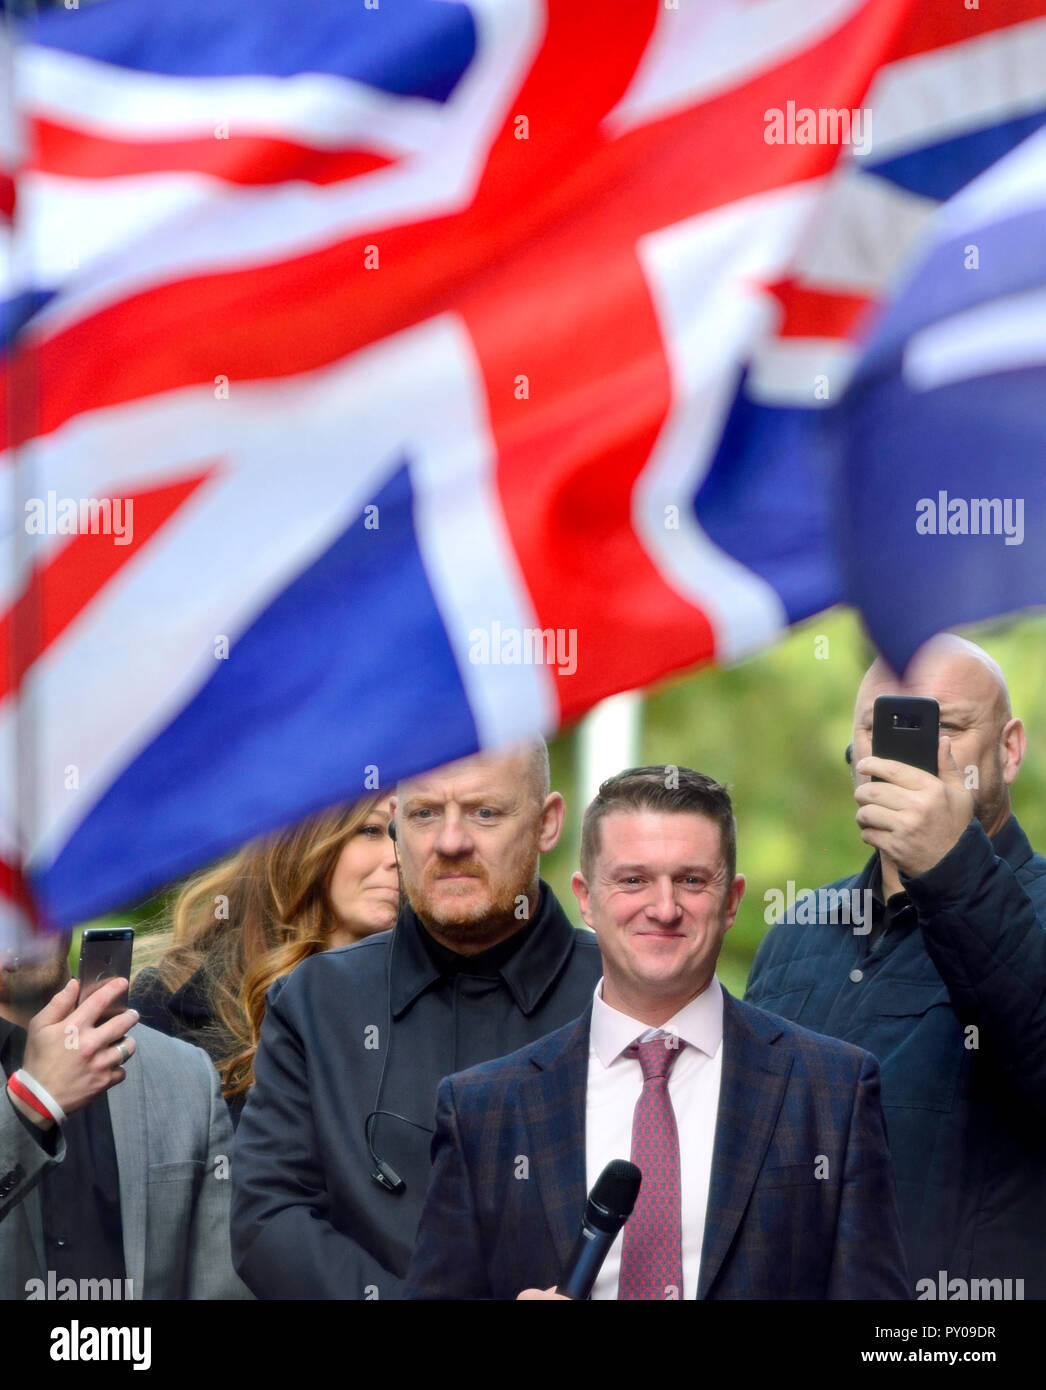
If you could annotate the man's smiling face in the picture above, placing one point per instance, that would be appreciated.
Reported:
(660, 904)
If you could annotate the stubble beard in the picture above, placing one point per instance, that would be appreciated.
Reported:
(32, 987)
(477, 925)
(670, 987)
(991, 804)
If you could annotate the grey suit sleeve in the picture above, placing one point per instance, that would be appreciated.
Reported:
(869, 1259)
(284, 1243)
(210, 1269)
(448, 1257)
(25, 1155)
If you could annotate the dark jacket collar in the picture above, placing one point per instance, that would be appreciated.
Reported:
(528, 974)
(1012, 844)
(189, 1003)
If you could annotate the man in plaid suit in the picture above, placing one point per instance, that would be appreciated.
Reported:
(762, 1145)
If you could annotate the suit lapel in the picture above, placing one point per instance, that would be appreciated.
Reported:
(751, 1090)
(553, 1102)
(127, 1114)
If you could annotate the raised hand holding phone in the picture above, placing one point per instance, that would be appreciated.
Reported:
(912, 815)
(73, 1052)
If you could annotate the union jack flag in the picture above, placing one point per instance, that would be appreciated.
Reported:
(388, 381)
(947, 405)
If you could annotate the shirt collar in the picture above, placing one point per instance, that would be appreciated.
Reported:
(528, 974)
(699, 1024)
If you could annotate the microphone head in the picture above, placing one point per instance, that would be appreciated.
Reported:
(613, 1195)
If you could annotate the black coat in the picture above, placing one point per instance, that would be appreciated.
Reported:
(952, 1001)
(308, 1219)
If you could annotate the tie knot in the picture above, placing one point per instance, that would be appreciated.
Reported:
(658, 1055)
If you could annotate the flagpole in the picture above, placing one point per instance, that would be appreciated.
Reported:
(25, 622)
(608, 741)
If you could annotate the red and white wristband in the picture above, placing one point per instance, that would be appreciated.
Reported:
(29, 1090)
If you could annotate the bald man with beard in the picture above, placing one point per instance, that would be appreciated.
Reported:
(945, 985)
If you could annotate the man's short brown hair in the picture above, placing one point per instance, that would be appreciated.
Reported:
(666, 788)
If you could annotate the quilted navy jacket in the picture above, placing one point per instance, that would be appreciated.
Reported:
(952, 1002)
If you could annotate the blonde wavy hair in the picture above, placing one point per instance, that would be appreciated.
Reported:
(252, 918)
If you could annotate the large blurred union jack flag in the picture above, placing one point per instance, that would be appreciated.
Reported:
(405, 334)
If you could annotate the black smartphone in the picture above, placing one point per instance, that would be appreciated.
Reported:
(906, 728)
(105, 954)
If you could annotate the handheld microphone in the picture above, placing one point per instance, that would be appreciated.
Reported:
(608, 1207)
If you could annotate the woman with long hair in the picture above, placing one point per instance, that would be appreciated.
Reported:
(242, 924)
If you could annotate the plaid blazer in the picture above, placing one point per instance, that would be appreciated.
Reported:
(801, 1203)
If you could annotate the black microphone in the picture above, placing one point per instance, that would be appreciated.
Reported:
(608, 1207)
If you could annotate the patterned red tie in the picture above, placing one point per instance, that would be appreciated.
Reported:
(652, 1245)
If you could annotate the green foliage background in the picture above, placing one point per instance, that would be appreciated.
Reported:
(774, 729)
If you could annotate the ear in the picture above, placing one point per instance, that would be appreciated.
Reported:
(580, 888)
(734, 895)
(553, 814)
(1014, 745)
